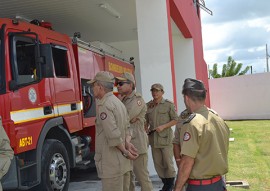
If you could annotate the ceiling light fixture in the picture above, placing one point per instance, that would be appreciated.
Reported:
(110, 10)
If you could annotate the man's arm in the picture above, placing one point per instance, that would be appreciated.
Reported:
(184, 170)
(176, 153)
(146, 123)
(130, 147)
(138, 111)
(176, 144)
(174, 119)
(166, 125)
(6, 152)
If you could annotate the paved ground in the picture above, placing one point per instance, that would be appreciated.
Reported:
(87, 180)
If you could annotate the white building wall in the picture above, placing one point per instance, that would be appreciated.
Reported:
(241, 97)
(184, 63)
(154, 49)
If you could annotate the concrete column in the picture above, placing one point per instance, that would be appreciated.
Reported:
(154, 51)
(154, 48)
(184, 63)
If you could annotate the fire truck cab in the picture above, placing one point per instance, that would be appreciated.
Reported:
(47, 108)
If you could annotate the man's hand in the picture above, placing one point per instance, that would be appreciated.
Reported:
(177, 162)
(131, 156)
(133, 120)
(131, 148)
(160, 128)
(150, 132)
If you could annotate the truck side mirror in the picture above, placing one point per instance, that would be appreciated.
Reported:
(46, 61)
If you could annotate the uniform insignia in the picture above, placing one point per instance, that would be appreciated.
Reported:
(138, 94)
(184, 114)
(103, 116)
(187, 136)
(213, 111)
(139, 103)
(169, 101)
(191, 116)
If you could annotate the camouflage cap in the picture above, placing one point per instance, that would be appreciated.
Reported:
(102, 76)
(157, 87)
(126, 76)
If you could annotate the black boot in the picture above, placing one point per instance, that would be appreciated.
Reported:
(170, 184)
(164, 181)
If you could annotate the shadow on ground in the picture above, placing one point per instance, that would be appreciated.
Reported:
(79, 175)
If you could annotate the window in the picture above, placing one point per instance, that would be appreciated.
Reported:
(60, 60)
(24, 61)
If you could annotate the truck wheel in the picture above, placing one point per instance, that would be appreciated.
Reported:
(55, 169)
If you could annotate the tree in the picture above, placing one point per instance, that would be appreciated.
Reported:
(232, 68)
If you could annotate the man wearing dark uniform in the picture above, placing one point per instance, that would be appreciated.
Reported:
(160, 117)
(112, 123)
(6, 152)
(204, 143)
(136, 108)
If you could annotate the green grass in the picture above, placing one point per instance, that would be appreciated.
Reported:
(249, 154)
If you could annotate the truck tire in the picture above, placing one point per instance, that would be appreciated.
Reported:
(55, 169)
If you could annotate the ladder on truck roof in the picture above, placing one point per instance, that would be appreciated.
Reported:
(102, 49)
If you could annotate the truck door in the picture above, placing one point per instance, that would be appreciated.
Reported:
(65, 88)
(29, 95)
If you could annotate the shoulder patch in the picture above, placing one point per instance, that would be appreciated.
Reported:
(191, 116)
(139, 103)
(187, 136)
(103, 116)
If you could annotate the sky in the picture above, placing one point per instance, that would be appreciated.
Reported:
(238, 28)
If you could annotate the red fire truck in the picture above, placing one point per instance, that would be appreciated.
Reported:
(47, 107)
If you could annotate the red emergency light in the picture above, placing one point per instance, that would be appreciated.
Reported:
(46, 25)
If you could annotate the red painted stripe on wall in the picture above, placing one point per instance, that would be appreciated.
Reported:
(171, 53)
(187, 20)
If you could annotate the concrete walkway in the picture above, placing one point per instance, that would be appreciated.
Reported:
(95, 185)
